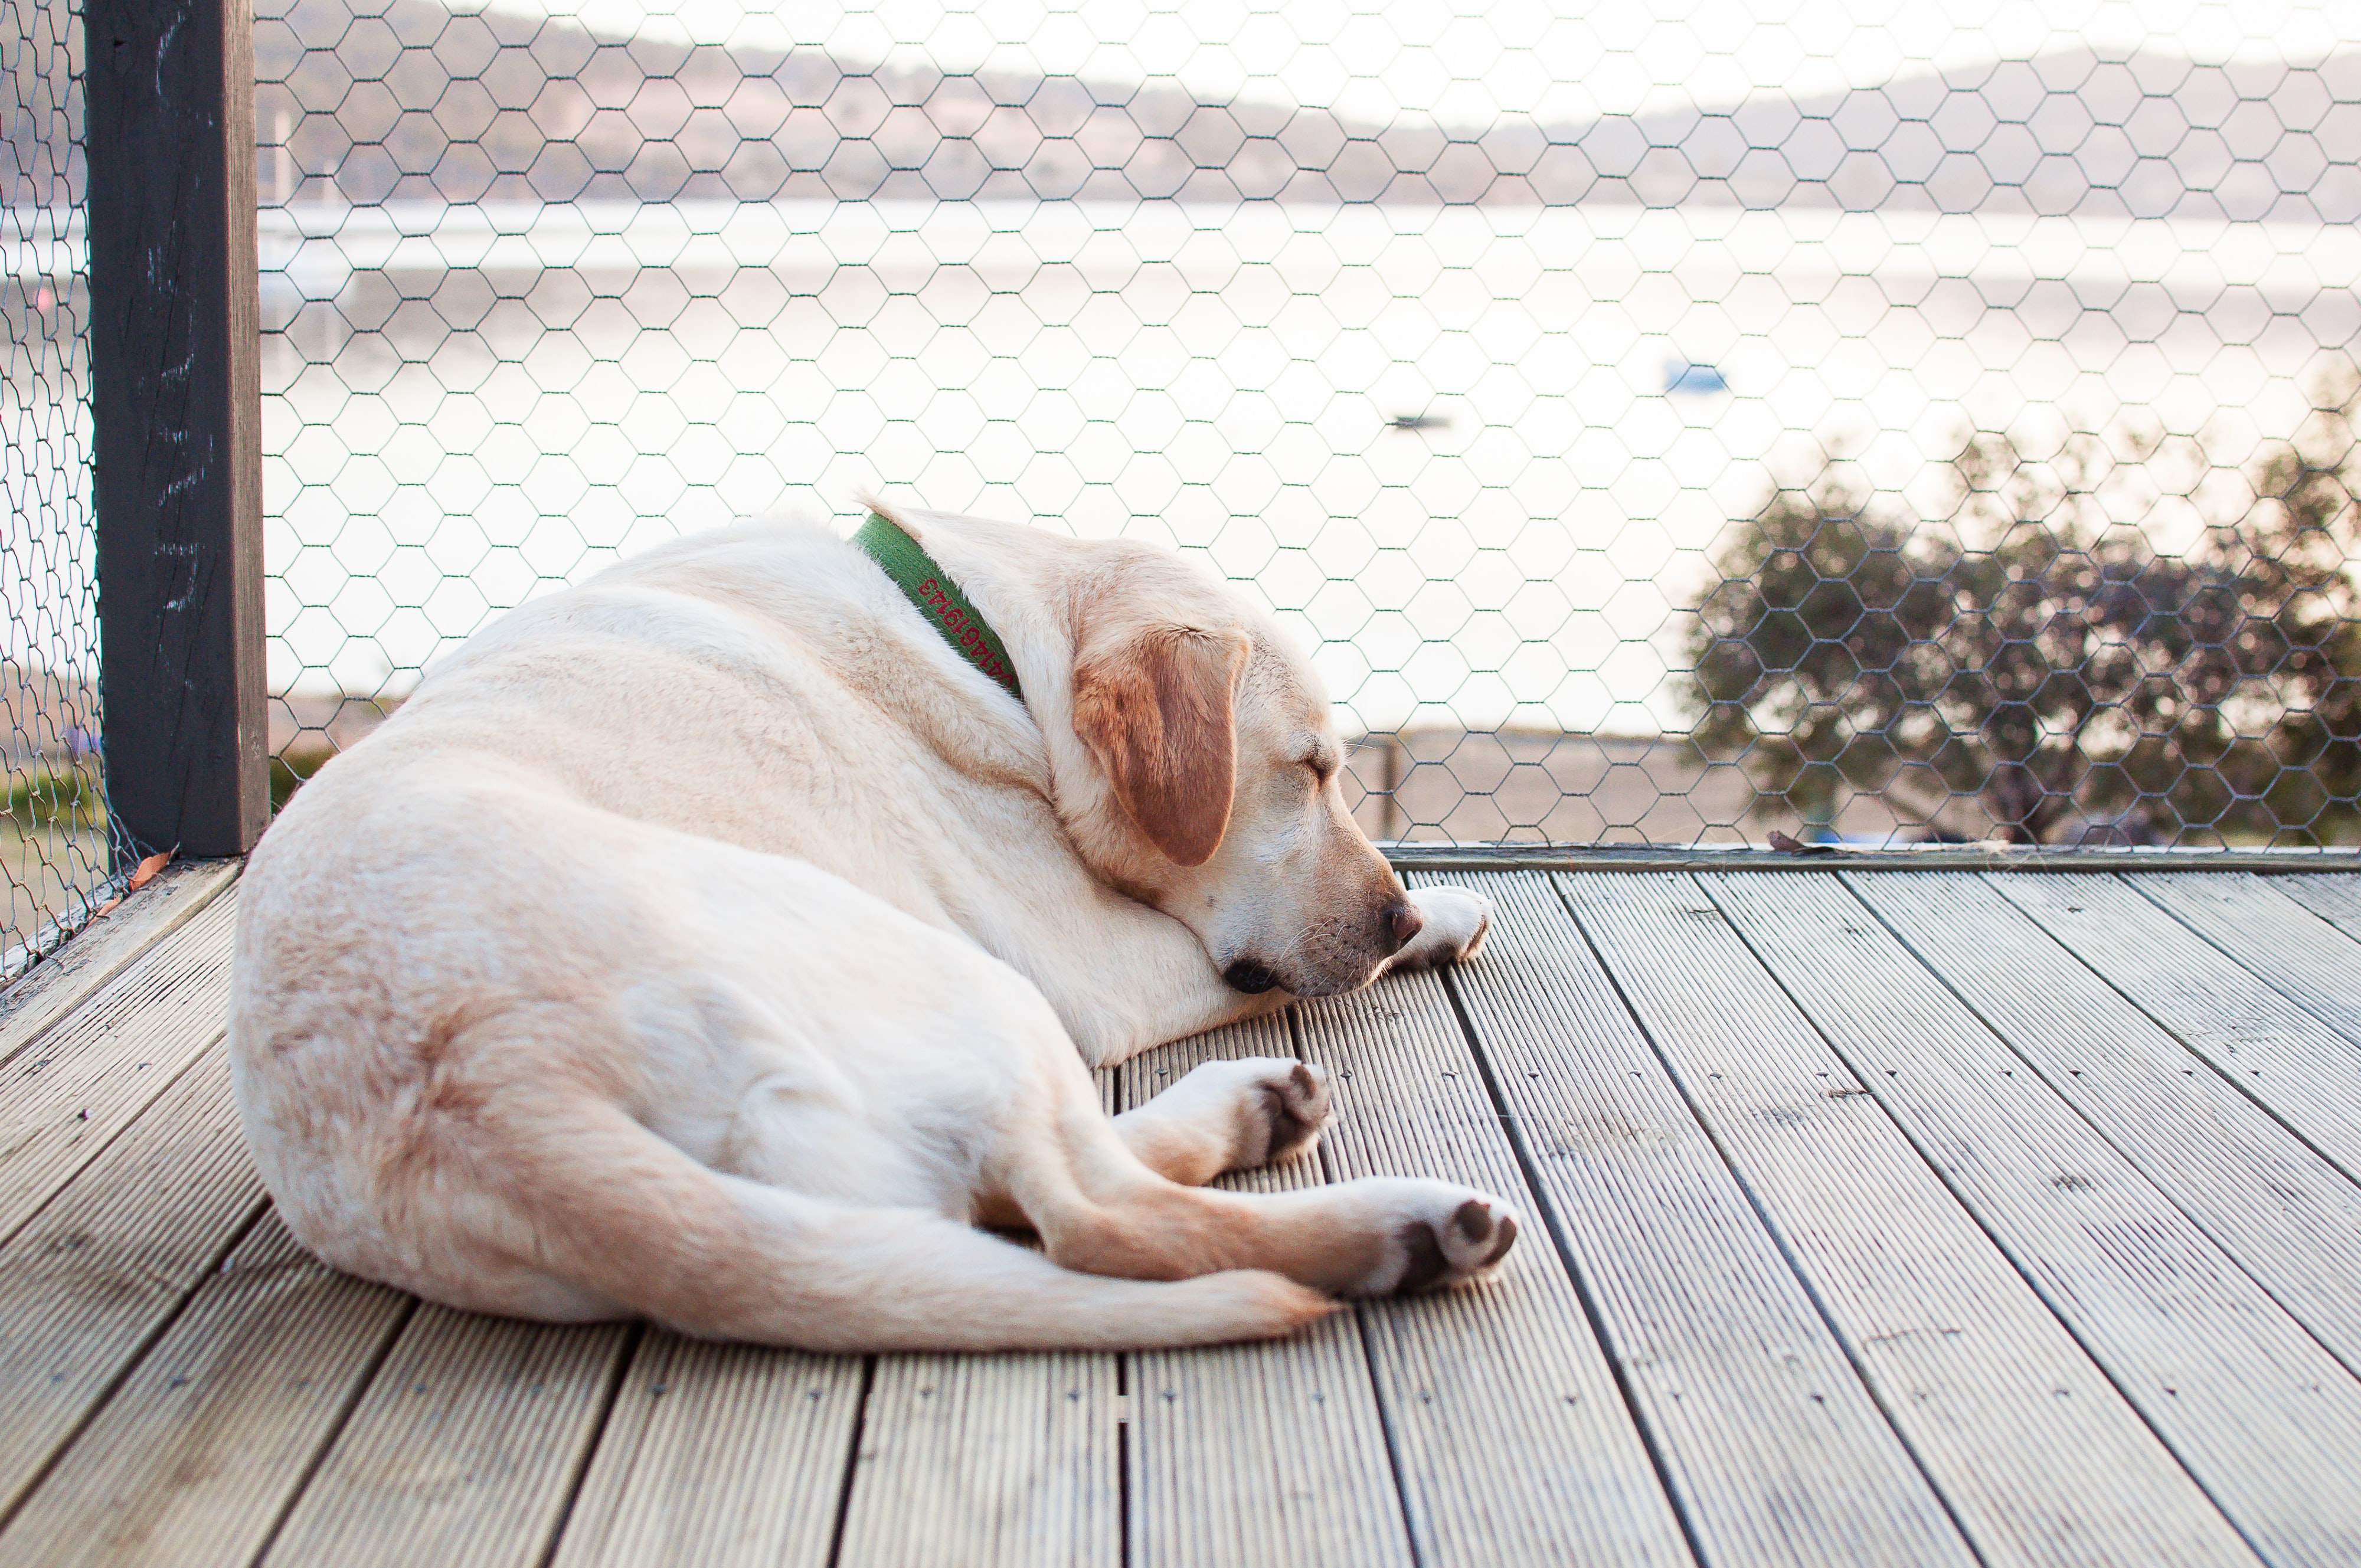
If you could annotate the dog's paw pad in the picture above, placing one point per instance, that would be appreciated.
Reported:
(1252, 1110)
(1488, 1231)
(1475, 944)
(1295, 1108)
(1465, 1242)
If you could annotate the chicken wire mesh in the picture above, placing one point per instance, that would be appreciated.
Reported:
(54, 847)
(1660, 422)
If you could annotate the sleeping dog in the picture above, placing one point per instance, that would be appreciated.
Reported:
(723, 940)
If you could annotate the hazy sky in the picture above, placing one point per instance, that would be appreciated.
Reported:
(1470, 59)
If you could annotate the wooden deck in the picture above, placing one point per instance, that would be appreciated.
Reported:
(1891, 1217)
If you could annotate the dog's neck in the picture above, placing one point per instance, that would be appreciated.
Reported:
(1017, 580)
(927, 584)
(1026, 583)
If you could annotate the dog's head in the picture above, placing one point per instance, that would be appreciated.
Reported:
(1216, 794)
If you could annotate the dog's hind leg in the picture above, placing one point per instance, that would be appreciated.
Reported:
(1098, 1206)
(579, 1193)
(1229, 1115)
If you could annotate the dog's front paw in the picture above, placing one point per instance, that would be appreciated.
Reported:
(1453, 924)
(1275, 1107)
(1443, 1235)
(1294, 1110)
(1254, 1111)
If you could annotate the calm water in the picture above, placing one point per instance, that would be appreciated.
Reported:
(468, 405)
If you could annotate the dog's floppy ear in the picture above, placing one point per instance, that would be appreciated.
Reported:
(1158, 709)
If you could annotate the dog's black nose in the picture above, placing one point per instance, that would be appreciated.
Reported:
(1402, 921)
(1249, 977)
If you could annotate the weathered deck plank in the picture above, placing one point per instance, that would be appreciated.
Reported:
(166, 1406)
(986, 1462)
(2254, 1404)
(1512, 1439)
(1774, 1447)
(2304, 957)
(2335, 897)
(1268, 1455)
(1029, 1444)
(88, 1284)
(2045, 1458)
(464, 1450)
(717, 1456)
(199, 1452)
(2305, 1074)
(2010, 1421)
(105, 947)
(2288, 1216)
(82, 1083)
(1007, 1461)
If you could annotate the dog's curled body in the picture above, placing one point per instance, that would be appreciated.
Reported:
(709, 942)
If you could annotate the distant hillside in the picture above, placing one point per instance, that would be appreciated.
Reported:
(419, 101)
(416, 100)
(2150, 136)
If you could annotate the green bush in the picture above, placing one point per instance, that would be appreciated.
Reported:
(2026, 646)
(298, 763)
(50, 798)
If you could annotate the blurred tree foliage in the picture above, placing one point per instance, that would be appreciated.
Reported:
(2029, 648)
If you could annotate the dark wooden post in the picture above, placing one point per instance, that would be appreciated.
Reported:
(176, 397)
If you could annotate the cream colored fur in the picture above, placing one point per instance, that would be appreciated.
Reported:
(707, 942)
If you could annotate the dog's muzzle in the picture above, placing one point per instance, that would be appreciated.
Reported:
(1249, 977)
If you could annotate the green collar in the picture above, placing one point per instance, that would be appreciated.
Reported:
(938, 598)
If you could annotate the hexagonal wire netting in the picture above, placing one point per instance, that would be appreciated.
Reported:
(1661, 427)
(54, 850)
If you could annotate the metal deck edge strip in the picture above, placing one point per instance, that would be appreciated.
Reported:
(1931, 857)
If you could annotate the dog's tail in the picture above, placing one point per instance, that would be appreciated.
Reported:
(616, 1211)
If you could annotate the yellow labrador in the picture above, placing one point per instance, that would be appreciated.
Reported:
(720, 942)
